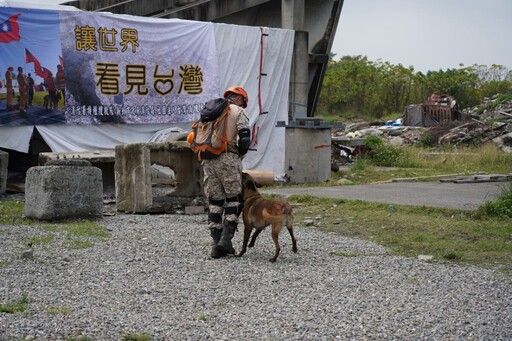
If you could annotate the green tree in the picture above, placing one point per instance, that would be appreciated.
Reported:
(462, 84)
(355, 87)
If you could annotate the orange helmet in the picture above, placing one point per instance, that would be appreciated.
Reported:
(239, 91)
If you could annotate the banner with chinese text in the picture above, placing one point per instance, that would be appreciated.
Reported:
(93, 68)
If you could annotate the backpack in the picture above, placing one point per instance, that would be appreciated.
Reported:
(208, 136)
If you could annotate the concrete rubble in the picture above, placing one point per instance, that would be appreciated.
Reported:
(478, 125)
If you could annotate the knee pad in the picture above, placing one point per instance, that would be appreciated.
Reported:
(215, 217)
(232, 206)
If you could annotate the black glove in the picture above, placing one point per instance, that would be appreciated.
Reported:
(244, 140)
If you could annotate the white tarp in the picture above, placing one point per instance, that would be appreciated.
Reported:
(258, 59)
(16, 138)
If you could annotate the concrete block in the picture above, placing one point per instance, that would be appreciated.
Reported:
(103, 159)
(308, 154)
(4, 161)
(133, 178)
(61, 192)
(135, 175)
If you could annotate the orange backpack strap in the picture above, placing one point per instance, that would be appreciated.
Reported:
(192, 134)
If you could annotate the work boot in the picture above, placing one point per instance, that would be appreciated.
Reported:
(228, 231)
(216, 253)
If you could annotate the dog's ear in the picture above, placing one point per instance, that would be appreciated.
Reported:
(251, 185)
(249, 181)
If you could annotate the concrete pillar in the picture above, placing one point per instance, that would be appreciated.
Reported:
(299, 80)
(292, 17)
(292, 14)
(133, 178)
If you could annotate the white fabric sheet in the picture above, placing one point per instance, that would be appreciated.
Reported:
(239, 57)
(73, 138)
(16, 137)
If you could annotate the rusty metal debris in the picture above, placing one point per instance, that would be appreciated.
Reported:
(438, 109)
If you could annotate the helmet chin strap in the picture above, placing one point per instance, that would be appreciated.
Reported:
(231, 97)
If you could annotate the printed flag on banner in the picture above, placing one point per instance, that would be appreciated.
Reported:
(10, 30)
(39, 70)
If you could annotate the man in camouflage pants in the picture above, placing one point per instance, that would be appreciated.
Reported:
(223, 176)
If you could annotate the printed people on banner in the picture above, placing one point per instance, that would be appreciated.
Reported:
(23, 90)
(26, 88)
(61, 82)
(52, 100)
(30, 83)
(9, 76)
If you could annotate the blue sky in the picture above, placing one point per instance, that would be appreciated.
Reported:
(427, 34)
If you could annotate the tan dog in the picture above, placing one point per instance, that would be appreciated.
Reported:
(259, 213)
(46, 101)
(52, 103)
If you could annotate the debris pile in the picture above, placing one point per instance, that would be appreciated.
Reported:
(484, 123)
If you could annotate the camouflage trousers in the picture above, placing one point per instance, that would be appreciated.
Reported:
(223, 188)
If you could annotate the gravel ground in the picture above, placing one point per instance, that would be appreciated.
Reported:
(154, 276)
